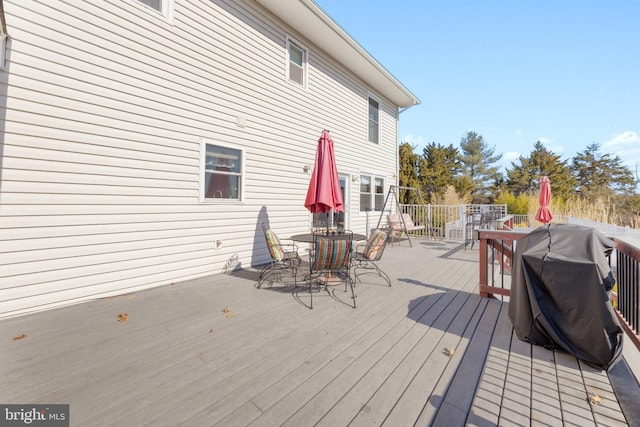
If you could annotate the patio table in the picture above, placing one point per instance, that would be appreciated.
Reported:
(308, 237)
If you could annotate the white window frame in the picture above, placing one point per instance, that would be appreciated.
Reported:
(166, 8)
(373, 192)
(305, 61)
(203, 173)
(370, 98)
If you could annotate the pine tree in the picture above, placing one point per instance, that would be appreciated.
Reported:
(478, 163)
(408, 173)
(439, 166)
(524, 178)
(601, 175)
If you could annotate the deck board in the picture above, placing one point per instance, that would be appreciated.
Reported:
(426, 351)
(405, 373)
(458, 341)
(486, 406)
(433, 374)
(545, 395)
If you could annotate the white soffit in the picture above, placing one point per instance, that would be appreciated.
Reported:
(310, 20)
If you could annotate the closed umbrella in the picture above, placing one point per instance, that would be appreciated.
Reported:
(324, 192)
(544, 213)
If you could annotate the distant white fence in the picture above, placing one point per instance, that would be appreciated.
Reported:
(452, 222)
(609, 230)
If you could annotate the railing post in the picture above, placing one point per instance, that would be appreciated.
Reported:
(502, 242)
(484, 271)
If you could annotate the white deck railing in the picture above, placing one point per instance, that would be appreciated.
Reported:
(451, 221)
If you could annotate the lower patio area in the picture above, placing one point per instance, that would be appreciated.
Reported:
(219, 351)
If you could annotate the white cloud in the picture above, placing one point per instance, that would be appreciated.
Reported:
(415, 141)
(626, 140)
(625, 145)
(548, 144)
(518, 132)
(511, 156)
(508, 158)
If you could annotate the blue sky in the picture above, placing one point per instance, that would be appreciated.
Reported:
(566, 73)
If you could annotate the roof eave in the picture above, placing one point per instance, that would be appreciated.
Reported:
(306, 17)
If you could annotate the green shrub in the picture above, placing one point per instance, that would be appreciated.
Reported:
(515, 205)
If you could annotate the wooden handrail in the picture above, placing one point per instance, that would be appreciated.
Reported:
(502, 239)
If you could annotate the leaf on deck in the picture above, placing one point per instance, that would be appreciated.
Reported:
(122, 317)
(19, 337)
(594, 399)
(449, 352)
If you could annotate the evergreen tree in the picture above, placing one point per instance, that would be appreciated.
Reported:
(525, 177)
(408, 171)
(478, 163)
(438, 168)
(601, 175)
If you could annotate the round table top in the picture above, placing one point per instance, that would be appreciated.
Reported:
(308, 237)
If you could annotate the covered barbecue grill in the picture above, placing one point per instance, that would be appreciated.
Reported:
(560, 293)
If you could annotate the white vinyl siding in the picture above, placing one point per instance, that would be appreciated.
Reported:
(105, 110)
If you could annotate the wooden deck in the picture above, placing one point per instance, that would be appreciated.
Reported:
(218, 351)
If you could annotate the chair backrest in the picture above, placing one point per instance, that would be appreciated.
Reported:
(273, 243)
(375, 245)
(407, 220)
(331, 252)
(394, 221)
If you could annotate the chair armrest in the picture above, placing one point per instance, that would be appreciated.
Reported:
(289, 248)
(359, 245)
(290, 245)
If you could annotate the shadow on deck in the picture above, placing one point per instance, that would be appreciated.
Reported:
(218, 351)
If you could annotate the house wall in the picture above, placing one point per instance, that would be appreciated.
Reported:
(105, 105)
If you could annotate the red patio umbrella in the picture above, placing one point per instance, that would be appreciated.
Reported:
(544, 213)
(324, 187)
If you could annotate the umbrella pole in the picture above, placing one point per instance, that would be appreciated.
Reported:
(329, 275)
(327, 222)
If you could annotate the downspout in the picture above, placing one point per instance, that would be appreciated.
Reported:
(400, 110)
(3, 35)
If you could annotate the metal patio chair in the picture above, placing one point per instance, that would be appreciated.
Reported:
(371, 252)
(283, 257)
(329, 263)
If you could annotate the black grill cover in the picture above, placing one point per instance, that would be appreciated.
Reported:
(560, 293)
